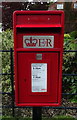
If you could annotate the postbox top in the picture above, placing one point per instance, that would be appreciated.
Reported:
(38, 12)
(39, 18)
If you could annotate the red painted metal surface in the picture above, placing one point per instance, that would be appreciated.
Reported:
(38, 23)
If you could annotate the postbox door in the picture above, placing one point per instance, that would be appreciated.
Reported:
(47, 77)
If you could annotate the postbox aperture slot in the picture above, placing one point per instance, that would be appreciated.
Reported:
(37, 30)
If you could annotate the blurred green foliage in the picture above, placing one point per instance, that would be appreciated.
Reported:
(73, 34)
(7, 43)
(52, 118)
(70, 65)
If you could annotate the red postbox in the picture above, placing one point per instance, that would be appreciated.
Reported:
(38, 48)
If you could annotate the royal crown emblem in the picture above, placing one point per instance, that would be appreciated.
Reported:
(30, 42)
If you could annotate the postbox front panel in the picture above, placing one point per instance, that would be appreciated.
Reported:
(38, 47)
(37, 82)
